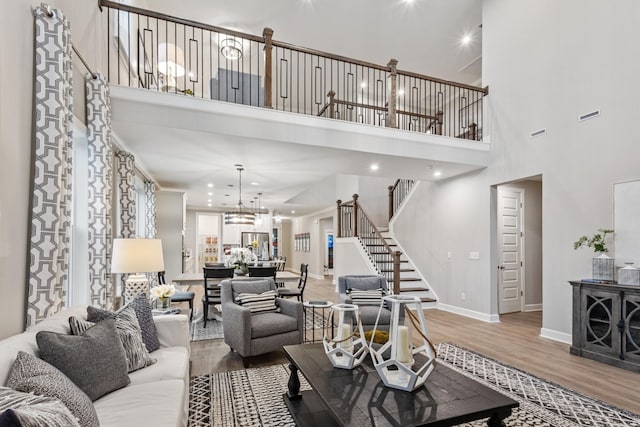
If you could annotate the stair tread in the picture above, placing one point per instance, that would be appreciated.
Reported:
(390, 261)
(402, 270)
(414, 289)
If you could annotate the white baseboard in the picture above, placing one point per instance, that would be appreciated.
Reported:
(533, 307)
(316, 276)
(556, 335)
(490, 318)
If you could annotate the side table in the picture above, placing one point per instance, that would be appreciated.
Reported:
(313, 306)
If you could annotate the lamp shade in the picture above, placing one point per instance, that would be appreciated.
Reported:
(137, 256)
(170, 60)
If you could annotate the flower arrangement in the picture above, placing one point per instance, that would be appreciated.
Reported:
(240, 258)
(163, 291)
(597, 241)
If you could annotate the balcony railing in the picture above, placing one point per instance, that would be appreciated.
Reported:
(158, 52)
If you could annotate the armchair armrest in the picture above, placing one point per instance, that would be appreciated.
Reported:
(173, 330)
(294, 309)
(345, 299)
(236, 326)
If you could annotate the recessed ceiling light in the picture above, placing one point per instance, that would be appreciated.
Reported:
(261, 207)
(401, 92)
(209, 205)
(255, 183)
(293, 212)
(209, 201)
(209, 193)
(363, 84)
(466, 39)
(437, 173)
(374, 167)
(210, 185)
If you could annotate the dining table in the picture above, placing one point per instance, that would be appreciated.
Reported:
(188, 279)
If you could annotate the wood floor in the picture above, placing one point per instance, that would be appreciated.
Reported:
(514, 341)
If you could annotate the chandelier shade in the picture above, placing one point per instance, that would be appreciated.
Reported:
(241, 215)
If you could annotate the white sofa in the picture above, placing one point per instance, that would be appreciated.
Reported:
(157, 396)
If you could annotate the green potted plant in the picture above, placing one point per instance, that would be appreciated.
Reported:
(603, 265)
(597, 241)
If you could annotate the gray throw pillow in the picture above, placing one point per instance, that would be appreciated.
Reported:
(32, 375)
(95, 361)
(29, 410)
(145, 319)
(130, 336)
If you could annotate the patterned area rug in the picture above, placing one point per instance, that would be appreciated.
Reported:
(541, 403)
(213, 331)
(315, 321)
(253, 397)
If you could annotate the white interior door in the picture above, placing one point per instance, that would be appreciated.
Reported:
(510, 247)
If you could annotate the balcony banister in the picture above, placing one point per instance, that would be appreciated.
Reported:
(483, 90)
(176, 20)
(328, 55)
(267, 33)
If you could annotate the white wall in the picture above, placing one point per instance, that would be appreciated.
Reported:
(16, 88)
(315, 225)
(560, 60)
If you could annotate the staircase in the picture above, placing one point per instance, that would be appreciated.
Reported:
(410, 281)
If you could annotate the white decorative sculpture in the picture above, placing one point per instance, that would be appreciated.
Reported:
(400, 364)
(348, 349)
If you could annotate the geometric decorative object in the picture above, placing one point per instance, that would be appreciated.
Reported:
(348, 349)
(629, 275)
(400, 364)
(136, 256)
(603, 268)
(241, 215)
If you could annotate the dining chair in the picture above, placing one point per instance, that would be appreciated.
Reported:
(263, 272)
(302, 282)
(179, 296)
(211, 294)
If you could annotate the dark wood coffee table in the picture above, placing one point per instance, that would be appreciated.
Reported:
(358, 397)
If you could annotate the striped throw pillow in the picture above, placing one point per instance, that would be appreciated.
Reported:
(258, 303)
(366, 297)
(79, 326)
(29, 410)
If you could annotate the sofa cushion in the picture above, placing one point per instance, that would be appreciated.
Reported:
(172, 364)
(368, 314)
(142, 308)
(29, 410)
(9, 348)
(258, 303)
(157, 404)
(130, 336)
(32, 375)
(251, 287)
(366, 296)
(267, 324)
(95, 361)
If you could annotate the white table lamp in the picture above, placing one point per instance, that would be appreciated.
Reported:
(134, 257)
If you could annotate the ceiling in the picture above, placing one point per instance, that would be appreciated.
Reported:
(180, 153)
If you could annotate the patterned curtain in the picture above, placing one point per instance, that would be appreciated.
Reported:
(100, 152)
(150, 216)
(50, 206)
(125, 170)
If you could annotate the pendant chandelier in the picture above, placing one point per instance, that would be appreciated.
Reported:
(258, 221)
(241, 215)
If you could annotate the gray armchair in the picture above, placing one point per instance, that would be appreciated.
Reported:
(368, 313)
(253, 334)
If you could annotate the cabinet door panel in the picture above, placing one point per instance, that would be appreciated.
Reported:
(600, 332)
(631, 336)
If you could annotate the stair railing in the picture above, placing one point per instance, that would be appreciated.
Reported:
(397, 193)
(353, 221)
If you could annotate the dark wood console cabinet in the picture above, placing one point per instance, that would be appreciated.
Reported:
(606, 323)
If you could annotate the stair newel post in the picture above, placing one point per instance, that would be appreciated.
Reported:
(339, 203)
(267, 33)
(439, 122)
(473, 131)
(332, 105)
(392, 120)
(390, 202)
(396, 272)
(355, 215)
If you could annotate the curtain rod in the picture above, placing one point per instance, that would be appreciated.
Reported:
(49, 12)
